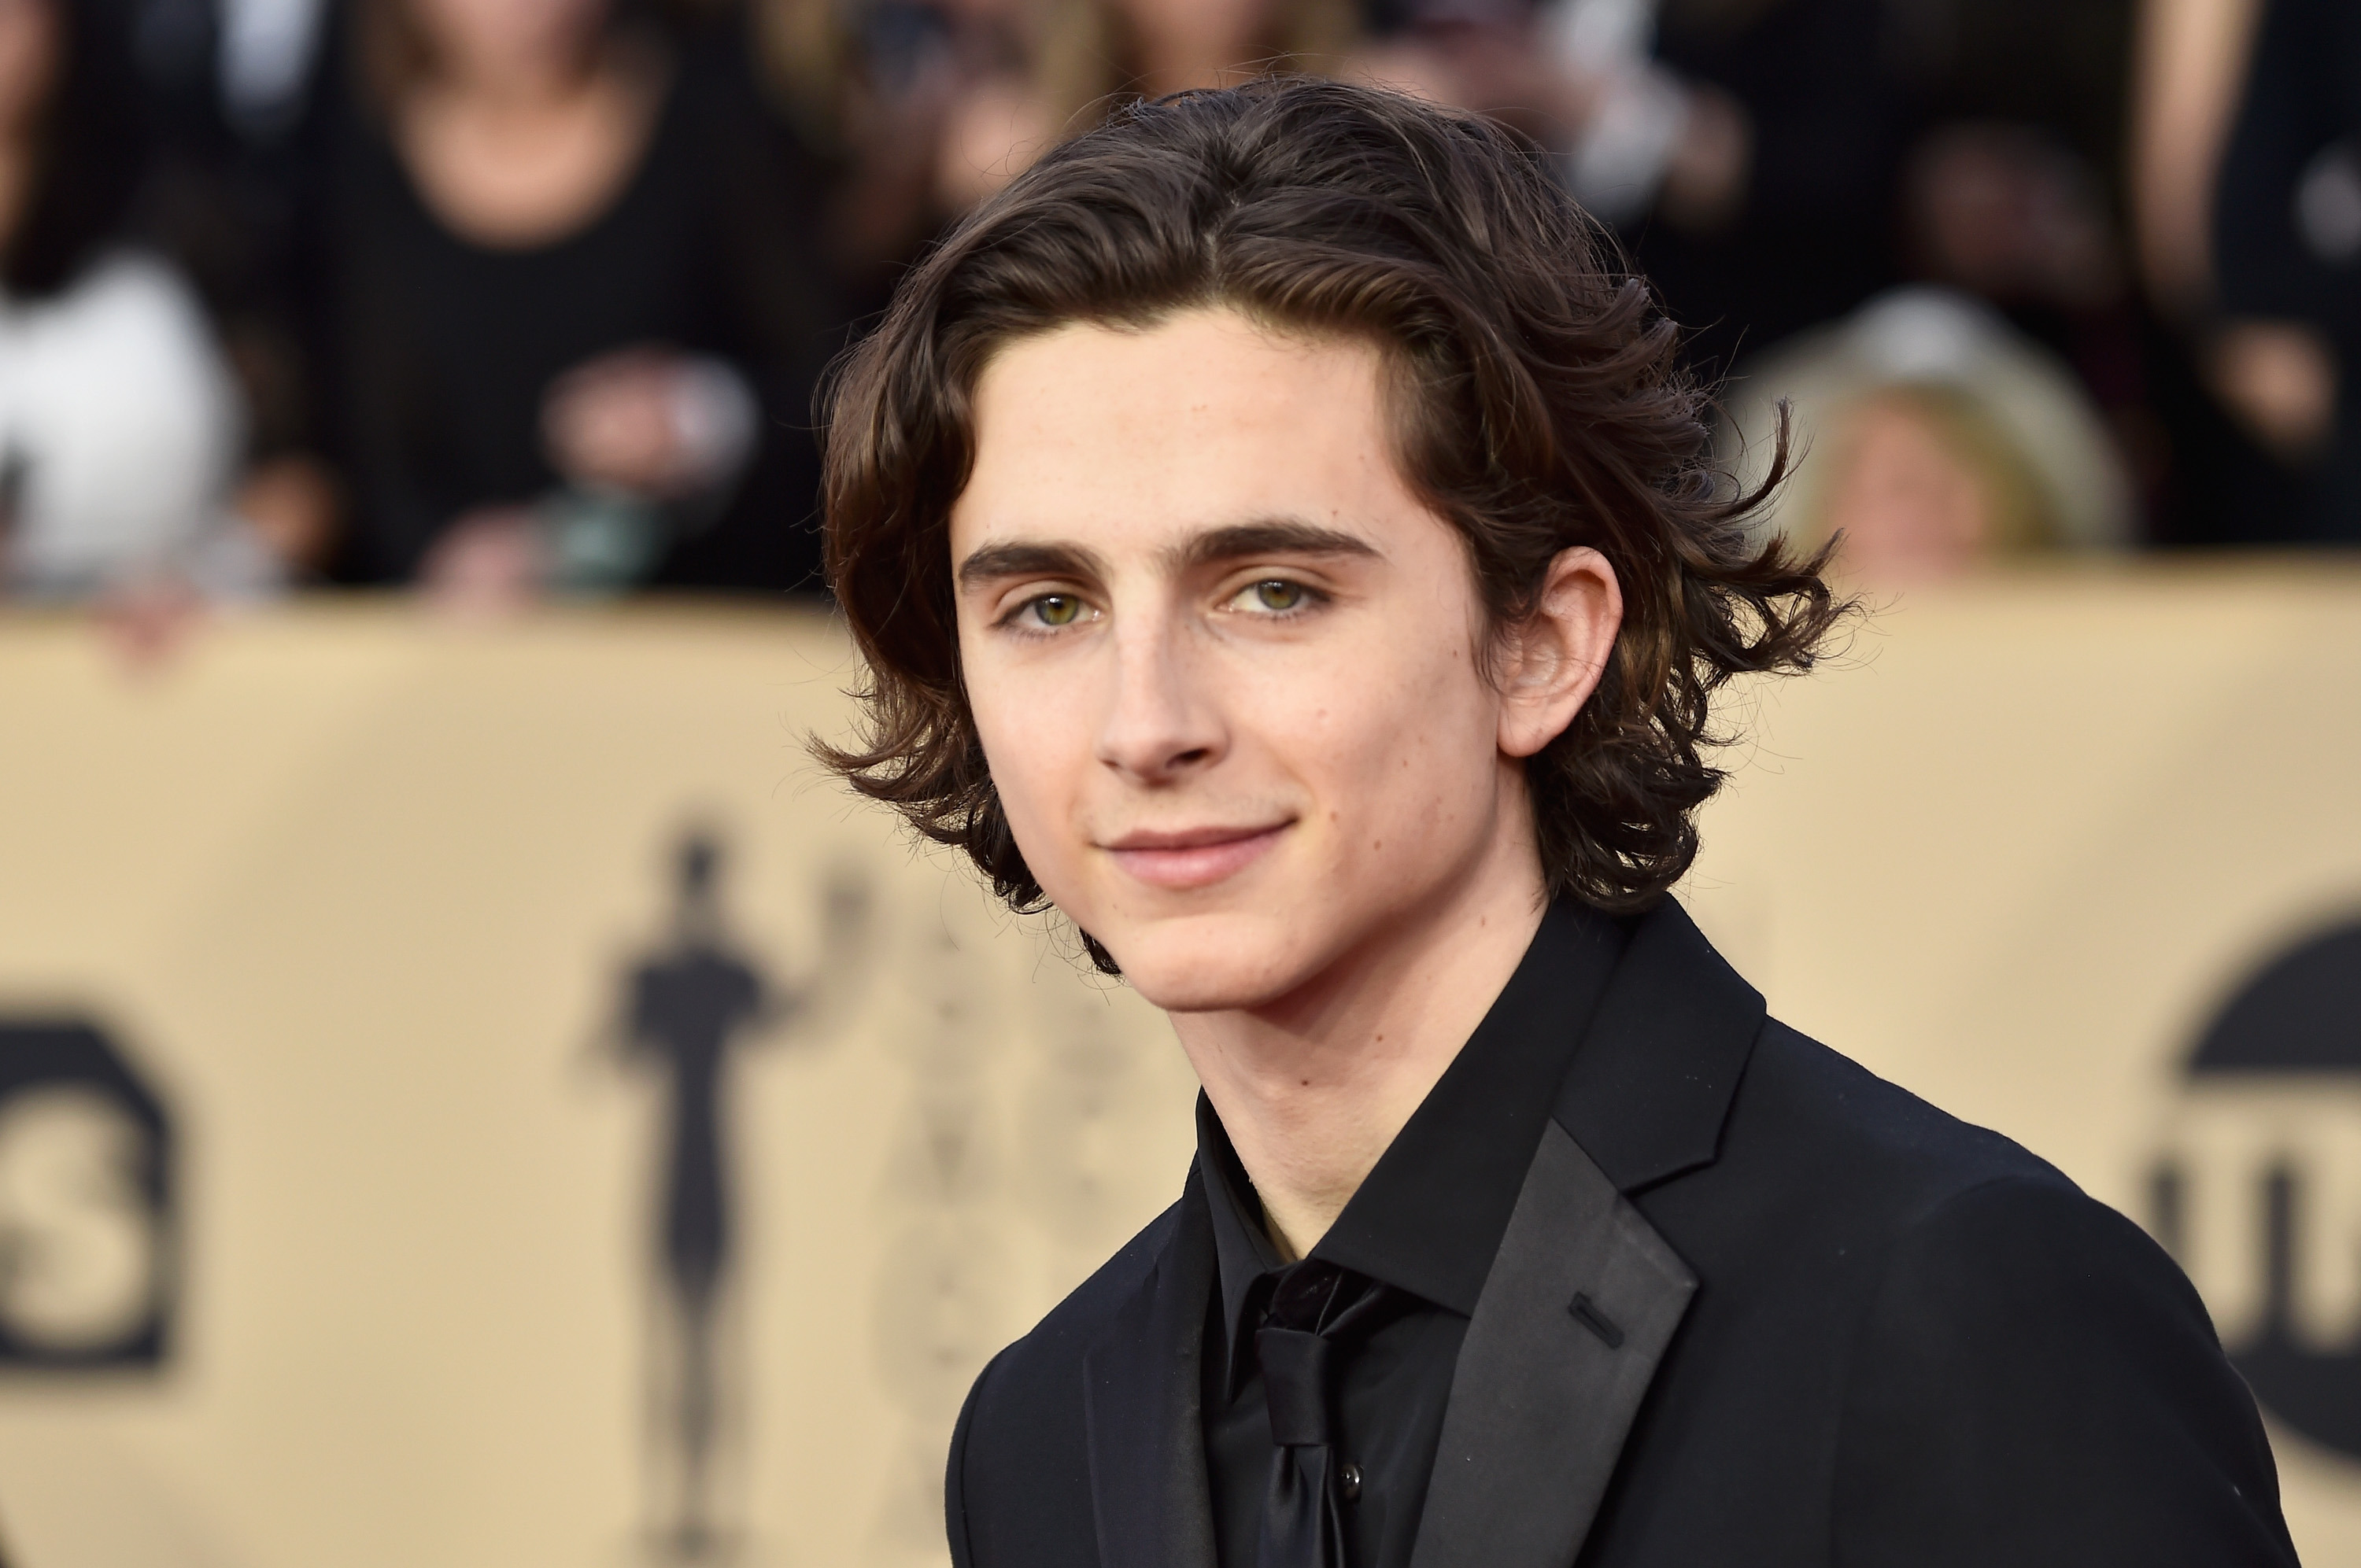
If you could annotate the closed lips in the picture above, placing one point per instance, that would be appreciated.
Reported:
(1193, 857)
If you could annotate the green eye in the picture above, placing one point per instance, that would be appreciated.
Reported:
(1278, 594)
(1058, 609)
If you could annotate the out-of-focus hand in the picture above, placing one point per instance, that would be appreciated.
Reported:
(612, 422)
(491, 562)
(2279, 379)
(150, 618)
(652, 423)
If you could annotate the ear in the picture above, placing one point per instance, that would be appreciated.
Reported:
(1551, 665)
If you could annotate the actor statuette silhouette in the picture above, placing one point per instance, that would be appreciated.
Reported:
(1283, 541)
(687, 1009)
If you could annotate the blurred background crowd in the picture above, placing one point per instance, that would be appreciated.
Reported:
(503, 299)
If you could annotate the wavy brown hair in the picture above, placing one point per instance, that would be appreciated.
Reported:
(1536, 392)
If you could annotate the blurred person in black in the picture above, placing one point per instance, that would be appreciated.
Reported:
(2287, 234)
(2023, 188)
(2188, 69)
(1775, 163)
(2010, 189)
(233, 99)
(579, 299)
(119, 419)
(1746, 149)
(926, 105)
(1806, 231)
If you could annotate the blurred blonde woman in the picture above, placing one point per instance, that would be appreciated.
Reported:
(1940, 441)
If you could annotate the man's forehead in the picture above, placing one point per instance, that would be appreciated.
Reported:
(1224, 343)
(1205, 377)
(1144, 441)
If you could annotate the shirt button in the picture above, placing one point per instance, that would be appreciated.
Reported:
(1349, 1482)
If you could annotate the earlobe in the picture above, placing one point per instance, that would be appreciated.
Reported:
(1557, 658)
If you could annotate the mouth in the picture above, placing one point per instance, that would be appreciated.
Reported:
(1194, 856)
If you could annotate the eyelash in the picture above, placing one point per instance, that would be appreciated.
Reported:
(1307, 598)
(1016, 619)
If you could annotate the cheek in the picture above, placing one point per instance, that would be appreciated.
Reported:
(1036, 753)
(1395, 750)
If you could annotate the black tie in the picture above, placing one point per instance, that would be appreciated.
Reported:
(1312, 1302)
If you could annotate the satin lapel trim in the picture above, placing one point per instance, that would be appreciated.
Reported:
(1540, 1400)
(1142, 1390)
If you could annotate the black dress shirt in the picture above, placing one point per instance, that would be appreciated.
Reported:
(1425, 1226)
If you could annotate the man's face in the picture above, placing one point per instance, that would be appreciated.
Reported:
(1225, 666)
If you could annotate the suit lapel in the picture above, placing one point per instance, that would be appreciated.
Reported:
(1584, 1295)
(1581, 1302)
(1143, 1388)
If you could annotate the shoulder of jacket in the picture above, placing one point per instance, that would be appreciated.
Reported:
(1067, 1331)
(1833, 1123)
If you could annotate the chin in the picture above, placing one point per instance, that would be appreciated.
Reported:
(1210, 963)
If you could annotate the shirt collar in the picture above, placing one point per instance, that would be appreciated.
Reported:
(1431, 1213)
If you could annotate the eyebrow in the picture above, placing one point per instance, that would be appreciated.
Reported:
(1267, 536)
(1026, 558)
(1264, 536)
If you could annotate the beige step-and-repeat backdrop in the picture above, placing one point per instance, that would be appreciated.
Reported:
(478, 1096)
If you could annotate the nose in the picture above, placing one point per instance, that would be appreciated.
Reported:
(1160, 723)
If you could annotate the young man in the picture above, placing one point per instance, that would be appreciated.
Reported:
(1284, 545)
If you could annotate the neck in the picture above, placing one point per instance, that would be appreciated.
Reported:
(1312, 1088)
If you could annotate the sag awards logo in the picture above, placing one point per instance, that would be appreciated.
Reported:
(2258, 1192)
(86, 1232)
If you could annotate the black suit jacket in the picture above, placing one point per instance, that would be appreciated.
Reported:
(1852, 1330)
